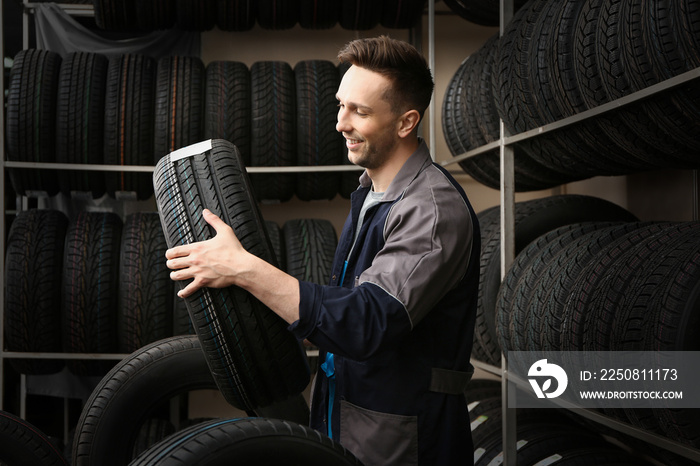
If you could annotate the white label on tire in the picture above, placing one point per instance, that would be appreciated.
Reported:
(188, 151)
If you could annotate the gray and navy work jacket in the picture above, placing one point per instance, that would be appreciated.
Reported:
(396, 324)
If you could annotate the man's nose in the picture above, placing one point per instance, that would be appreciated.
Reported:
(342, 125)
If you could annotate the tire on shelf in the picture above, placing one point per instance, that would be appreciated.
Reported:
(310, 246)
(179, 107)
(466, 127)
(80, 114)
(31, 120)
(613, 41)
(318, 142)
(482, 12)
(145, 308)
(33, 268)
(548, 296)
(274, 129)
(278, 14)
(152, 15)
(129, 124)
(513, 310)
(227, 107)
(359, 15)
(115, 15)
(318, 14)
(255, 360)
(402, 14)
(593, 150)
(248, 440)
(90, 283)
(235, 16)
(277, 241)
(622, 127)
(532, 219)
(23, 443)
(195, 15)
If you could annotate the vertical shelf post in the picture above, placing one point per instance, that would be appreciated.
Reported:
(507, 193)
(2, 217)
(431, 58)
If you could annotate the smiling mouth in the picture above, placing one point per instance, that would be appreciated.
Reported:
(352, 143)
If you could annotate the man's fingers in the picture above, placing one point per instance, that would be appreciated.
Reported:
(177, 251)
(191, 287)
(213, 220)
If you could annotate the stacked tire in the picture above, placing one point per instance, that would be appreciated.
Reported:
(557, 59)
(543, 436)
(91, 284)
(133, 109)
(609, 287)
(198, 15)
(532, 219)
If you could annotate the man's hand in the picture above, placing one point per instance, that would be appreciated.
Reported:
(213, 263)
(222, 261)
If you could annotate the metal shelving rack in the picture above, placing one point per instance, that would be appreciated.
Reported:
(507, 206)
(507, 197)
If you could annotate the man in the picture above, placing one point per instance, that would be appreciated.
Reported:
(395, 324)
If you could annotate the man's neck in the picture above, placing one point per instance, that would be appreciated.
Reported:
(383, 176)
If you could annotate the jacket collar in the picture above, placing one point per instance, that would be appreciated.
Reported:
(414, 165)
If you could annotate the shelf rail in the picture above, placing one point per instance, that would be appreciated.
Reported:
(150, 168)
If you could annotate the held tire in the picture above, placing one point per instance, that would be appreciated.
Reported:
(254, 359)
(216, 442)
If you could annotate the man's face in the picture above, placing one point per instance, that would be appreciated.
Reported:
(365, 117)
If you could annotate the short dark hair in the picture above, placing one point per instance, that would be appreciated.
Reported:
(400, 62)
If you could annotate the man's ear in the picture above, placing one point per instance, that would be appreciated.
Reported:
(408, 122)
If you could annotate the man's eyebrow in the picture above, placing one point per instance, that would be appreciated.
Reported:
(353, 104)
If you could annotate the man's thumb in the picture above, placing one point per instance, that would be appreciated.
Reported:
(212, 219)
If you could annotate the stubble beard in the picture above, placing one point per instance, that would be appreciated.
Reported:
(374, 156)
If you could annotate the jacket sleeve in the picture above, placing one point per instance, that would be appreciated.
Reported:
(427, 250)
(353, 323)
